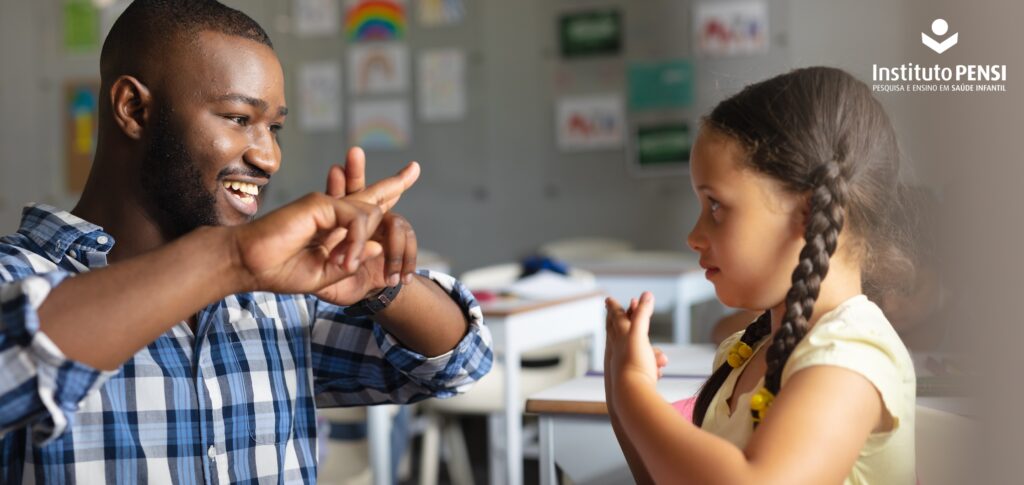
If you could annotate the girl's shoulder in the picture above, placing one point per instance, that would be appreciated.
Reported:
(857, 336)
(857, 320)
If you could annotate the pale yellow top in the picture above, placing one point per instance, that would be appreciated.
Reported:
(855, 336)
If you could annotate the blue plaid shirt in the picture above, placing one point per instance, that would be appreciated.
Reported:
(233, 403)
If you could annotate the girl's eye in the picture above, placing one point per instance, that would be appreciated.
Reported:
(275, 128)
(713, 205)
(240, 120)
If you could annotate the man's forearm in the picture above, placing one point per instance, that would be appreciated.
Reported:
(103, 317)
(424, 318)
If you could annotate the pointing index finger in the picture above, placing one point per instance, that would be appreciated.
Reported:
(386, 192)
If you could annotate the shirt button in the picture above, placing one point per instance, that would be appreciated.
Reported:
(102, 239)
(212, 452)
(72, 253)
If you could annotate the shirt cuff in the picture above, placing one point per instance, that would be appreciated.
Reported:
(454, 371)
(61, 384)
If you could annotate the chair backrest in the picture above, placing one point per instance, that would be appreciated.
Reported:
(944, 446)
(584, 248)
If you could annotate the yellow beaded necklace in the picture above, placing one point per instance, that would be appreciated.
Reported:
(762, 399)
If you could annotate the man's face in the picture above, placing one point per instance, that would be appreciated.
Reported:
(213, 138)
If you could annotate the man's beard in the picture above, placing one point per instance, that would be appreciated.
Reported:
(172, 181)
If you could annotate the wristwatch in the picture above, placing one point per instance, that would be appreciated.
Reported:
(373, 304)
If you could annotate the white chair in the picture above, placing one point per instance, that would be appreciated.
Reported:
(564, 361)
(944, 444)
(345, 460)
(584, 248)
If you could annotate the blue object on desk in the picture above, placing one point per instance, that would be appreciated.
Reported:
(535, 264)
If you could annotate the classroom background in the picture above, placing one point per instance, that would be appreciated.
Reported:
(496, 182)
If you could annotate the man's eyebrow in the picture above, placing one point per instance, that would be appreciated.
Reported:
(251, 101)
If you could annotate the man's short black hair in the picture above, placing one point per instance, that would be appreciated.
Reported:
(148, 27)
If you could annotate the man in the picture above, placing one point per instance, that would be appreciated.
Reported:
(197, 347)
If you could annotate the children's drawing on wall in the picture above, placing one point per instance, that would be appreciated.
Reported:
(380, 125)
(378, 68)
(80, 111)
(440, 13)
(81, 26)
(320, 96)
(731, 28)
(369, 20)
(315, 17)
(442, 85)
(590, 122)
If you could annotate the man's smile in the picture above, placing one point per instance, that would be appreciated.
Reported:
(242, 195)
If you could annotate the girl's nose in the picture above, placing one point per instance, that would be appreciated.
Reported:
(695, 240)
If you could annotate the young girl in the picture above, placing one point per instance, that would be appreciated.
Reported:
(798, 182)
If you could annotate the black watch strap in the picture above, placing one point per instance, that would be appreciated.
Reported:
(373, 304)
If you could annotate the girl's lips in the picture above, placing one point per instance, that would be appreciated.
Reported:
(712, 271)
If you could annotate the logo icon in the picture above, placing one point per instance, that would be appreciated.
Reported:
(939, 28)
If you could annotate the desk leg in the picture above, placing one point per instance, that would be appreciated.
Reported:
(496, 447)
(378, 426)
(513, 416)
(548, 474)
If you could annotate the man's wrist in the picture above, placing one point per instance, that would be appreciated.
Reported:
(239, 278)
(375, 301)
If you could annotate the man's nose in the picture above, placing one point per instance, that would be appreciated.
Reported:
(263, 152)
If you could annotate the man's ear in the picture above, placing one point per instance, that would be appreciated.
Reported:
(132, 105)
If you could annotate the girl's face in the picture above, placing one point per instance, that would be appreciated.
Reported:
(750, 231)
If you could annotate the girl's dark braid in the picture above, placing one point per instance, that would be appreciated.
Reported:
(828, 196)
(757, 330)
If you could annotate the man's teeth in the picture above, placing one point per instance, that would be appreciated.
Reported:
(243, 187)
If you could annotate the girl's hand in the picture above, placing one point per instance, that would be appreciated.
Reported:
(661, 360)
(629, 353)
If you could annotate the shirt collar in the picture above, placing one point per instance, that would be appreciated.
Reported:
(56, 232)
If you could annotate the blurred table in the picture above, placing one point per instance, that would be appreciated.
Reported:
(675, 279)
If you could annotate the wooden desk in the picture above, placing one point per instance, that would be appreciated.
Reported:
(575, 429)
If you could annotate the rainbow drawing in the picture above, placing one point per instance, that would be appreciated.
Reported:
(380, 136)
(375, 20)
(380, 125)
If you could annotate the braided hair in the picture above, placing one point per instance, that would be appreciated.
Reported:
(820, 133)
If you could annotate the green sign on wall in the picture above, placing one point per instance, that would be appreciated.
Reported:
(663, 145)
(591, 33)
(661, 85)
